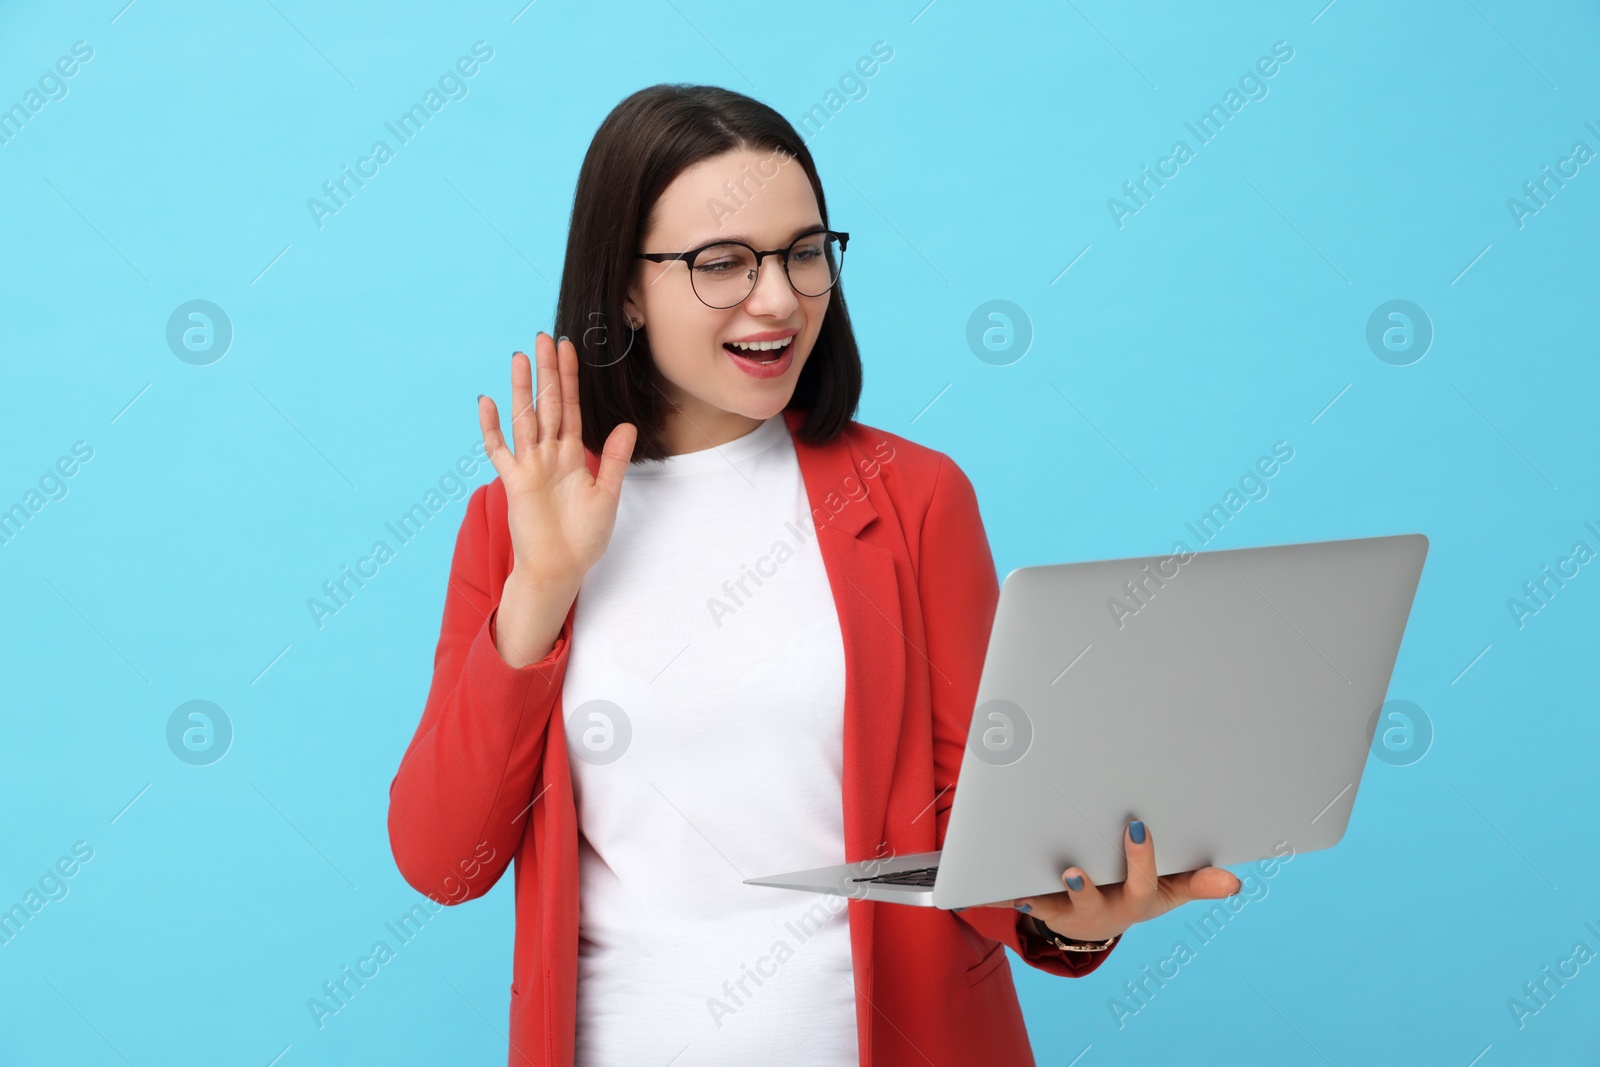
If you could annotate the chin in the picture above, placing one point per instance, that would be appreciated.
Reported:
(766, 407)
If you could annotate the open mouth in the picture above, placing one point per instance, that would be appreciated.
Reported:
(759, 353)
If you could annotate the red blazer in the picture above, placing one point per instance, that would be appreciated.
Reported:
(486, 781)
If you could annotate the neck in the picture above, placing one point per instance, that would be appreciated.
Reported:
(694, 431)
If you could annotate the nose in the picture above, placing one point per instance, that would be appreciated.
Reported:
(773, 296)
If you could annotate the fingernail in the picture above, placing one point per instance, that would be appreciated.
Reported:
(1024, 907)
(563, 337)
(480, 396)
(1136, 831)
(1075, 883)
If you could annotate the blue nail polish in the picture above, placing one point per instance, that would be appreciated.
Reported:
(1024, 907)
(1136, 831)
(563, 337)
(1075, 883)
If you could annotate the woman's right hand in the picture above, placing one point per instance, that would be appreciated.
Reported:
(560, 516)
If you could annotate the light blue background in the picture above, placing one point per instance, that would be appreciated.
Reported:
(1228, 314)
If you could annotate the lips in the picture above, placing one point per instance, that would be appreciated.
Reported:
(763, 365)
(768, 356)
(769, 335)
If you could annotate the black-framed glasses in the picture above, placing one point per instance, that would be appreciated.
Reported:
(724, 273)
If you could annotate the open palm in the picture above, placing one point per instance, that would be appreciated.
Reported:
(561, 517)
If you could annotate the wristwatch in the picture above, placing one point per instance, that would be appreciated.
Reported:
(1070, 944)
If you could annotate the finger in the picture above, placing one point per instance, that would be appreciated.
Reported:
(1042, 907)
(523, 435)
(1081, 889)
(1052, 909)
(571, 414)
(494, 443)
(614, 458)
(1139, 846)
(549, 399)
(1205, 883)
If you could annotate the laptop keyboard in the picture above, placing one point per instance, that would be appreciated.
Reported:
(921, 876)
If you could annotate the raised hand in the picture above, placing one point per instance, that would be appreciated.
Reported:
(560, 516)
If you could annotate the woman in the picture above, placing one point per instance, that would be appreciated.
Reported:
(705, 626)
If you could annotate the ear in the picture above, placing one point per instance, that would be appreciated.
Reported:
(633, 303)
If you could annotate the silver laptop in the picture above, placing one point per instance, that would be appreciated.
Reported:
(1227, 698)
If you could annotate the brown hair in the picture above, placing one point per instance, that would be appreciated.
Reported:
(644, 143)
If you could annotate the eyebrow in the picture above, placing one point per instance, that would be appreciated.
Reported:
(812, 227)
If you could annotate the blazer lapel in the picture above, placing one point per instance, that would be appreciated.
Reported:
(867, 598)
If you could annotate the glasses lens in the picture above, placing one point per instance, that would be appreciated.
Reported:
(723, 275)
(814, 262)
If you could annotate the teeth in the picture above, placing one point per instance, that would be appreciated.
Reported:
(760, 346)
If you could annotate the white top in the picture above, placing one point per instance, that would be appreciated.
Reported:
(704, 703)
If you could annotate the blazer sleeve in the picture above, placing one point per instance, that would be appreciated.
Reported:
(960, 590)
(459, 802)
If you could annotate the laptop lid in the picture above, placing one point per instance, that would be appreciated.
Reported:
(1227, 698)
